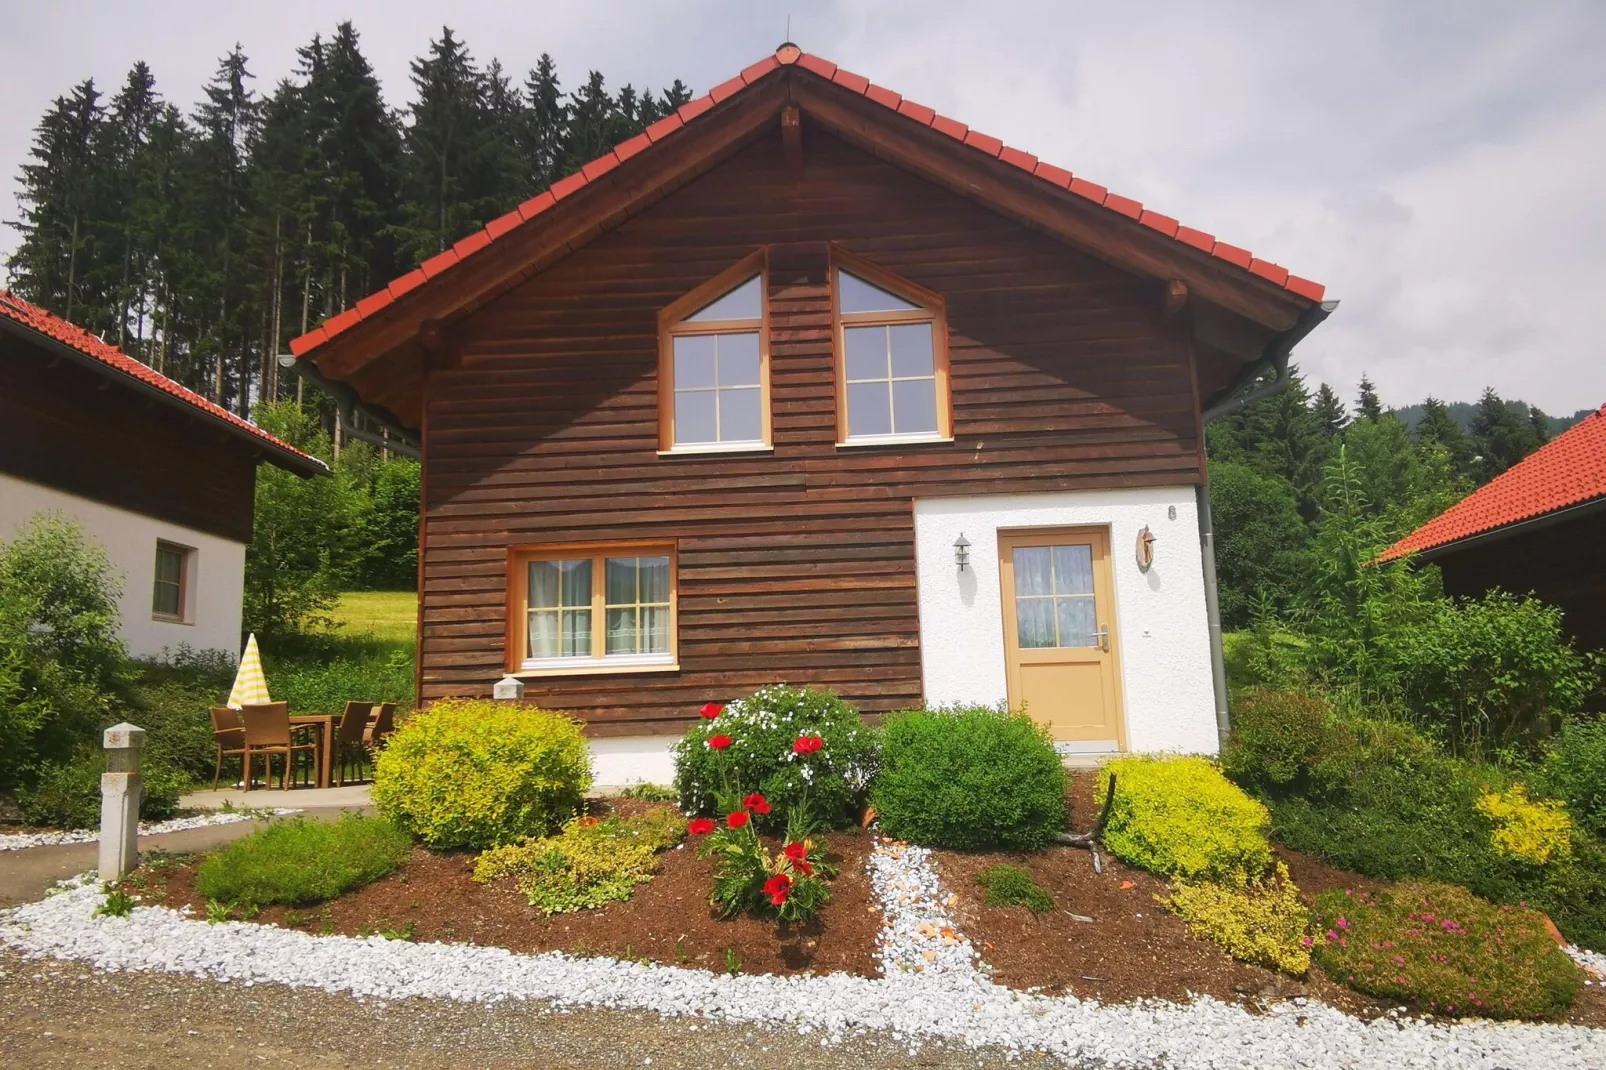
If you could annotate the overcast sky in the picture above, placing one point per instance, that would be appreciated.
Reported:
(1441, 167)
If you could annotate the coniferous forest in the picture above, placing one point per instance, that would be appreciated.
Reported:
(202, 240)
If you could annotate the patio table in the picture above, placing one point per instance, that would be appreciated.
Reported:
(325, 723)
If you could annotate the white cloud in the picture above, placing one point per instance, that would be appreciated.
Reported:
(1438, 167)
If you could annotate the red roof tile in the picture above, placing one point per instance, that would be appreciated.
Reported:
(789, 55)
(1568, 470)
(74, 337)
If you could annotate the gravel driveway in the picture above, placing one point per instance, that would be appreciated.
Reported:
(60, 1014)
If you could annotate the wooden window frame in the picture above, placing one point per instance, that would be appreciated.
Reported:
(186, 557)
(600, 662)
(933, 310)
(672, 323)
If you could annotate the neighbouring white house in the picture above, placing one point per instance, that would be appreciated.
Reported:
(160, 477)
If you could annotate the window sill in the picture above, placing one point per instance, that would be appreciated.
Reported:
(596, 667)
(892, 440)
(163, 618)
(717, 447)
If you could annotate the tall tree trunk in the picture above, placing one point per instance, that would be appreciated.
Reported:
(72, 267)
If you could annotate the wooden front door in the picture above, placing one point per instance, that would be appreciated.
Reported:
(1059, 633)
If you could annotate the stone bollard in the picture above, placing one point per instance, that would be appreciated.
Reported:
(121, 791)
(508, 689)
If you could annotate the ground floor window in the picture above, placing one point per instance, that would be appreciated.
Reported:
(171, 589)
(590, 608)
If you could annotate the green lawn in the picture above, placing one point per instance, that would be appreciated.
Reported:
(388, 615)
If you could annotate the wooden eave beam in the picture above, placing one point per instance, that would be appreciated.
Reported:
(1120, 242)
(1174, 297)
(524, 251)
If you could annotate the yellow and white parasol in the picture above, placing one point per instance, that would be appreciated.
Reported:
(250, 685)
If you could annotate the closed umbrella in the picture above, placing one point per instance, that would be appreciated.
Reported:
(250, 685)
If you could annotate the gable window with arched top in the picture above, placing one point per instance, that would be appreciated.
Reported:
(892, 358)
(714, 364)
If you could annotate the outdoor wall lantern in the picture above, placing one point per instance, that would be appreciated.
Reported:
(962, 551)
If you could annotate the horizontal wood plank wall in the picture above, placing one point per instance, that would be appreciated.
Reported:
(66, 427)
(796, 566)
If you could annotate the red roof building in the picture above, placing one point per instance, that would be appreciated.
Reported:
(1539, 526)
(160, 478)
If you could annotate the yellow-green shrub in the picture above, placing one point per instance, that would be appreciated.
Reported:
(1179, 817)
(1263, 922)
(476, 773)
(589, 863)
(1528, 831)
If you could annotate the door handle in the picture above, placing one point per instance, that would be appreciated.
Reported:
(1103, 637)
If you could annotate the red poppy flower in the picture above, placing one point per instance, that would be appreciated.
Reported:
(736, 820)
(777, 888)
(805, 868)
(797, 852)
(720, 742)
(700, 826)
(807, 744)
(712, 710)
(756, 803)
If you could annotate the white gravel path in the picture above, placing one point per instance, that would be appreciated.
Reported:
(954, 1003)
(21, 841)
(918, 931)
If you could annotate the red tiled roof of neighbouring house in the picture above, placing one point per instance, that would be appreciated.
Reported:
(788, 55)
(46, 323)
(1567, 471)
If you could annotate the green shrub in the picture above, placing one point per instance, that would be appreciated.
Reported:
(1444, 950)
(317, 674)
(67, 795)
(1491, 673)
(970, 779)
(1277, 736)
(1529, 831)
(301, 861)
(1264, 922)
(1574, 770)
(763, 729)
(1179, 817)
(61, 662)
(476, 773)
(589, 863)
(1009, 886)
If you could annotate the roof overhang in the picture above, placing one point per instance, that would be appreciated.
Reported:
(270, 452)
(1242, 309)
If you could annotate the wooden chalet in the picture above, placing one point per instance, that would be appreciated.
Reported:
(810, 384)
(1537, 528)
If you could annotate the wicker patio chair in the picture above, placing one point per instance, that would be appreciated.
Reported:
(268, 732)
(349, 737)
(229, 736)
(381, 725)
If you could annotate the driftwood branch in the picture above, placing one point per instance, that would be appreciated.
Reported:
(1090, 840)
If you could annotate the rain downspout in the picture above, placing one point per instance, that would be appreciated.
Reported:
(1275, 360)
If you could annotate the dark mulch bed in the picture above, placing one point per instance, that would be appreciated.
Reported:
(668, 920)
(1134, 947)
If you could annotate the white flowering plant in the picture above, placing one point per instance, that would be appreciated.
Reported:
(796, 746)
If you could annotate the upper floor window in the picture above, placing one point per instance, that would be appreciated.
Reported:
(892, 359)
(714, 364)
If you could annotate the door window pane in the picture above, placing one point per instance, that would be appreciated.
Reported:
(1054, 596)
(1033, 571)
(1034, 622)
(1078, 624)
(1073, 569)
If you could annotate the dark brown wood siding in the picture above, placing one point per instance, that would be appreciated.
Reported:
(66, 427)
(796, 566)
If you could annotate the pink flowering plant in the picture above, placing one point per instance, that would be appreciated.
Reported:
(1445, 951)
(788, 744)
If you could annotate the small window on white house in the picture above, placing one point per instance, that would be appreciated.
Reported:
(171, 589)
(714, 365)
(892, 369)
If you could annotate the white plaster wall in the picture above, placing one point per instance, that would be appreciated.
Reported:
(619, 761)
(1164, 637)
(216, 580)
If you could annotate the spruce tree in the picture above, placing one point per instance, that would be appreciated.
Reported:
(1503, 438)
(1540, 423)
(1438, 429)
(1329, 409)
(56, 201)
(1367, 405)
(544, 130)
(593, 123)
(1287, 439)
